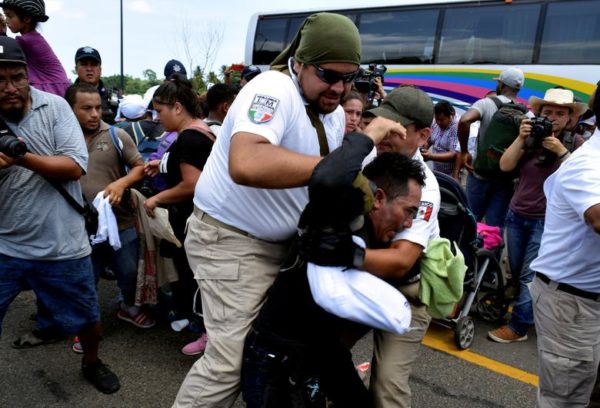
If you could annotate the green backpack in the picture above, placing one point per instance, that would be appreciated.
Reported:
(501, 132)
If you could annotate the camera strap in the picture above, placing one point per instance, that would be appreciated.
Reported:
(72, 202)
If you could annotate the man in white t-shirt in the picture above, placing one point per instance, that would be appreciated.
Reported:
(218, 100)
(253, 188)
(488, 197)
(566, 290)
(393, 355)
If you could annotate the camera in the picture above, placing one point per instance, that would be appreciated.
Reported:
(365, 81)
(541, 128)
(11, 146)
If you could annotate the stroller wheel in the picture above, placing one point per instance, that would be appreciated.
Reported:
(491, 307)
(465, 332)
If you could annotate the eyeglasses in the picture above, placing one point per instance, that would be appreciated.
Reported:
(332, 77)
(19, 81)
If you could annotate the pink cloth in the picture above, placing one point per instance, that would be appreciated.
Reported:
(492, 236)
(45, 71)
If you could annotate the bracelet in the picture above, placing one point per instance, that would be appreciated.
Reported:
(562, 156)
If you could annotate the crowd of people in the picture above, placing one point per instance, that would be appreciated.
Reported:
(275, 188)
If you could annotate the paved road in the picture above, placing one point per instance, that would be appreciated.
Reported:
(151, 367)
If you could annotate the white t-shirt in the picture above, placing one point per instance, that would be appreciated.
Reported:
(570, 249)
(270, 106)
(215, 127)
(425, 226)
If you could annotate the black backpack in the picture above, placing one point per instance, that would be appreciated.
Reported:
(502, 130)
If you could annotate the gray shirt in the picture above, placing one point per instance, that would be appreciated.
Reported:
(36, 222)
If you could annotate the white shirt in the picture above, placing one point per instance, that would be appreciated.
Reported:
(425, 226)
(570, 248)
(270, 106)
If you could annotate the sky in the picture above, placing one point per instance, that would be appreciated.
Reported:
(153, 29)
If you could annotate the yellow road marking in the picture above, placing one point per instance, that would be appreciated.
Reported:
(442, 339)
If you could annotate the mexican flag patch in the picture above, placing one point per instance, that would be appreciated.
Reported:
(263, 108)
(425, 211)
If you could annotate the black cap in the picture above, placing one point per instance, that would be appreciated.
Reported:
(10, 51)
(33, 8)
(174, 67)
(250, 72)
(87, 52)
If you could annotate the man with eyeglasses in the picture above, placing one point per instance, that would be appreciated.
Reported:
(250, 195)
(43, 242)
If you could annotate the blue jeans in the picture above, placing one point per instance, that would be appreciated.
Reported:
(123, 262)
(523, 237)
(65, 287)
(489, 199)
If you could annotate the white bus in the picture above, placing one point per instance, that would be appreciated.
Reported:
(452, 49)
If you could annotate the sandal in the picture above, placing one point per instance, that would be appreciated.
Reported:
(76, 346)
(140, 320)
(32, 339)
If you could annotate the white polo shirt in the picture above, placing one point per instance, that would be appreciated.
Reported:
(570, 249)
(270, 106)
(425, 226)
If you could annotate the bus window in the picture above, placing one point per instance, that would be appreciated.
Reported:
(398, 37)
(269, 40)
(295, 23)
(571, 33)
(489, 35)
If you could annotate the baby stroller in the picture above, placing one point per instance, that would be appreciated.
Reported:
(484, 281)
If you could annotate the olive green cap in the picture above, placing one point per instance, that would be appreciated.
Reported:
(406, 105)
(323, 38)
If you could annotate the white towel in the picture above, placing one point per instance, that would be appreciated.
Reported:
(107, 223)
(359, 296)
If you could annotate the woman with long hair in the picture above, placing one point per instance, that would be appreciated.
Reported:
(178, 110)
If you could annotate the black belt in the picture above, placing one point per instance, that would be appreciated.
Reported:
(570, 289)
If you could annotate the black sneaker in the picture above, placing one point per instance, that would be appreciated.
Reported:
(101, 377)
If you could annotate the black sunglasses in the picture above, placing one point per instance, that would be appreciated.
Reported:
(332, 77)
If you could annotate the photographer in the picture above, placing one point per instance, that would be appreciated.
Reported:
(369, 84)
(537, 152)
(43, 242)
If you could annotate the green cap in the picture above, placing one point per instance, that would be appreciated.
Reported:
(406, 105)
(323, 38)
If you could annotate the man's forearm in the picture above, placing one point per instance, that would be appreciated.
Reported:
(386, 263)
(135, 175)
(263, 165)
(463, 136)
(56, 167)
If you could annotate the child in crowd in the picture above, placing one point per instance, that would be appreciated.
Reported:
(44, 69)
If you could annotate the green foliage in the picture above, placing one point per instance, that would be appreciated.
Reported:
(149, 75)
(200, 80)
(132, 85)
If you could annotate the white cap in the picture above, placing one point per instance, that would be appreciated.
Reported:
(512, 77)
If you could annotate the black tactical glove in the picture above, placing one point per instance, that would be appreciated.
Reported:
(330, 248)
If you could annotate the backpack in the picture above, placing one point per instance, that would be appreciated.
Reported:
(118, 143)
(502, 130)
(146, 145)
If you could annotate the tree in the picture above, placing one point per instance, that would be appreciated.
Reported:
(132, 85)
(201, 44)
(149, 75)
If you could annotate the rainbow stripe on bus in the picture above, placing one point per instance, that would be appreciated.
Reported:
(470, 84)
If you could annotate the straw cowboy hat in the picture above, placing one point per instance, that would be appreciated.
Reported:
(558, 97)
